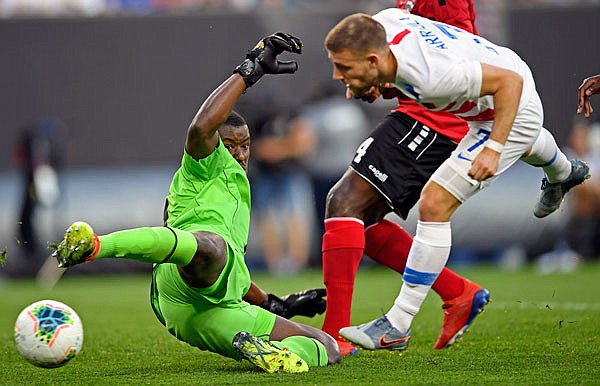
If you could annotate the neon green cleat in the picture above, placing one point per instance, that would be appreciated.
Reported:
(266, 356)
(79, 244)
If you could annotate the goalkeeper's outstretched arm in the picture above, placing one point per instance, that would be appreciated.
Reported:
(202, 138)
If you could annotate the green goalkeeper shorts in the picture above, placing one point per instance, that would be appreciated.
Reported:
(192, 318)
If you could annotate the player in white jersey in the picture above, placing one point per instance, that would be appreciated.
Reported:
(445, 68)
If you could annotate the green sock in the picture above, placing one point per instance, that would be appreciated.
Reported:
(150, 245)
(310, 350)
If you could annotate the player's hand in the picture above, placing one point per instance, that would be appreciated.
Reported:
(485, 165)
(262, 59)
(387, 91)
(273, 45)
(589, 87)
(369, 96)
(308, 303)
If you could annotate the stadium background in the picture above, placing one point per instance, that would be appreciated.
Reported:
(121, 90)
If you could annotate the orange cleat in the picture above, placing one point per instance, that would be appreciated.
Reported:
(346, 348)
(460, 312)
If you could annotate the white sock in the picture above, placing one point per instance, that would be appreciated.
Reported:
(546, 154)
(427, 257)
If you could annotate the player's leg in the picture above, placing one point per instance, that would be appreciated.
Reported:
(291, 347)
(560, 174)
(359, 197)
(318, 347)
(275, 344)
(271, 343)
(546, 154)
(270, 356)
(388, 244)
(428, 254)
(427, 257)
(149, 244)
(343, 246)
(199, 255)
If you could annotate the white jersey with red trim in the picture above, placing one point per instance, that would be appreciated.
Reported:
(439, 65)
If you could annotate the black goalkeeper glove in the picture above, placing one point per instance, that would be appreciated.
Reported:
(262, 59)
(305, 303)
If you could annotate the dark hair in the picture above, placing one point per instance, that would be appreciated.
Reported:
(235, 120)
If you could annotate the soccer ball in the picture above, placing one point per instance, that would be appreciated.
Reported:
(48, 334)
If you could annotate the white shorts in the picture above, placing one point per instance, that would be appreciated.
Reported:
(452, 174)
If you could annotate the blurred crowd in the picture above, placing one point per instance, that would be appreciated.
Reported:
(54, 8)
(492, 15)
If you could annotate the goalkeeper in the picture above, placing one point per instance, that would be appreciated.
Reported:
(200, 276)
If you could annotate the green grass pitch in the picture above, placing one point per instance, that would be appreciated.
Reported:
(539, 330)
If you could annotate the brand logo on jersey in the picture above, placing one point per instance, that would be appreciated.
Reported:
(461, 156)
(380, 176)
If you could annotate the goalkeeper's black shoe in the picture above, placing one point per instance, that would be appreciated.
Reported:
(266, 356)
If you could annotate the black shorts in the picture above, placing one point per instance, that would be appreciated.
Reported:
(399, 157)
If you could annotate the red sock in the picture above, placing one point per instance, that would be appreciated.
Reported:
(448, 285)
(343, 246)
(387, 243)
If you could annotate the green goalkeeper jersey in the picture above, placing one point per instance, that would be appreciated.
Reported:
(213, 194)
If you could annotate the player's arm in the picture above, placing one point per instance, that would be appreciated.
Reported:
(505, 87)
(255, 295)
(306, 303)
(589, 87)
(202, 136)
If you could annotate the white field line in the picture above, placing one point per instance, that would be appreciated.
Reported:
(548, 304)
